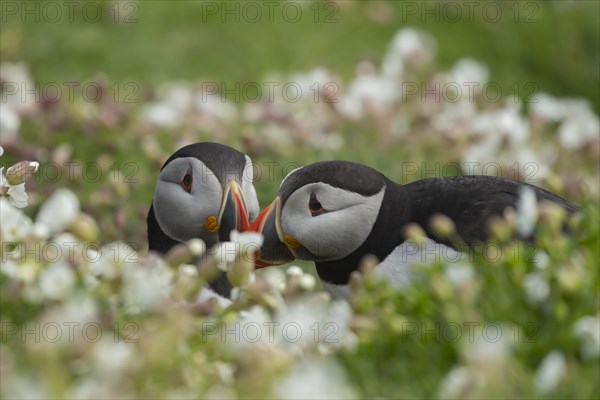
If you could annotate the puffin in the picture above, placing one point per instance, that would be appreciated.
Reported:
(204, 190)
(336, 212)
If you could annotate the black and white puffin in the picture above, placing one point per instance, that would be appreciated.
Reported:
(336, 212)
(204, 190)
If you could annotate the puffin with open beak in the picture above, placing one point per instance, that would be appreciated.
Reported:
(204, 190)
(336, 212)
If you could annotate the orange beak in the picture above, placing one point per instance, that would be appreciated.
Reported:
(233, 214)
(273, 250)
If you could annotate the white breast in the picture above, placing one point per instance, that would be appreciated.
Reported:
(338, 291)
(399, 266)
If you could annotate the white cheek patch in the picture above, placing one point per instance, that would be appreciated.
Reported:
(338, 232)
(180, 214)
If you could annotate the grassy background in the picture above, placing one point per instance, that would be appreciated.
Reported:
(551, 43)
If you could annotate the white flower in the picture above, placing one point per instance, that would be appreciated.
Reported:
(275, 277)
(587, 329)
(546, 107)
(197, 247)
(550, 372)
(175, 99)
(527, 212)
(80, 308)
(213, 105)
(294, 270)
(409, 46)
(505, 122)
(215, 392)
(112, 357)
(536, 287)
(89, 389)
(18, 174)
(20, 97)
(368, 94)
(247, 241)
(15, 224)
(459, 274)
(25, 387)
(314, 379)
(59, 210)
(307, 282)
(10, 122)
(491, 346)
(542, 260)
(9, 268)
(16, 194)
(56, 280)
(206, 293)
(459, 381)
(579, 126)
(469, 71)
(145, 288)
(161, 115)
(111, 259)
(313, 81)
(225, 253)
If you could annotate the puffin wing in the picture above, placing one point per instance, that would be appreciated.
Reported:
(470, 201)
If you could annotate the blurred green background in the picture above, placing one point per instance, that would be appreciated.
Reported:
(551, 43)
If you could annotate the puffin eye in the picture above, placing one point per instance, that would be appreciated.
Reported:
(314, 206)
(187, 181)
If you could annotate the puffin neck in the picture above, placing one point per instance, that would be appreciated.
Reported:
(160, 242)
(384, 237)
(157, 239)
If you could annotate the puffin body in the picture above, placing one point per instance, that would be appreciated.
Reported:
(204, 190)
(336, 212)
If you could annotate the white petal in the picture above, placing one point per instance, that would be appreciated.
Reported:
(247, 239)
(57, 280)
(17, 195)
(550, 372)
(59, 210)
(15, 224)
(527, 212)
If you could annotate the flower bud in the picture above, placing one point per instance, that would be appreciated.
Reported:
(85, 228)
(356, 281)
(499, 229)
(179, 254)
(294, 271)
(240, 273)
(197, 247)
(21, 172)
(368, 264)
(307, 282)
(552, 215)
(187, 283)
(442, 226)
(555, 184)
(415, 233)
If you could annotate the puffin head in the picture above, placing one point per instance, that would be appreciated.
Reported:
(204, 190)
(323, 212)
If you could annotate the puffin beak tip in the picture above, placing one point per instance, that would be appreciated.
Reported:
(233, 213)
(268, 224)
